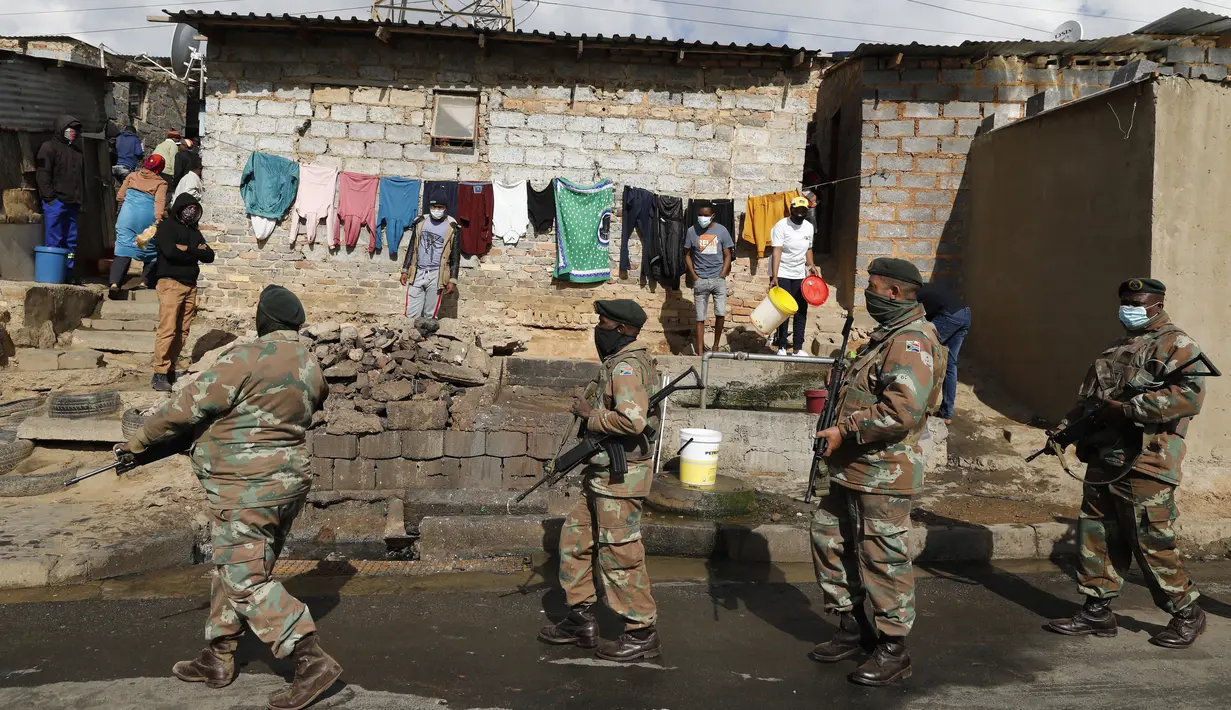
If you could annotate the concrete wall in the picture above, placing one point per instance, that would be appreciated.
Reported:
(1192, 236)
(1061, 207)
(17, 242)
(712, 126)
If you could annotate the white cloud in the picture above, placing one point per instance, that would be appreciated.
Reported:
(743, 21)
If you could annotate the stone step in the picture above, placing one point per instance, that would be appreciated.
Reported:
(114, 341)
(129, 310)
(107, 431)
(144, 295)
(104, 324)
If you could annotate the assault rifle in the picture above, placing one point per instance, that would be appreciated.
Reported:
(829, 414)
(591, 442)
(1094, 419)
(128, 461)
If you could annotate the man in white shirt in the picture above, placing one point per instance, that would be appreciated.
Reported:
(792, 239)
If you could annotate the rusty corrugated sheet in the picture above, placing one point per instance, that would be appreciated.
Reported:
(1187, 21)
(1103, 46)
(35, 92)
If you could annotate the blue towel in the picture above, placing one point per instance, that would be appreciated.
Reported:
(135, 216)
(399, 206)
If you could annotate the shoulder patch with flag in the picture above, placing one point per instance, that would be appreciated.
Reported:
(624, 369)
(912, 346)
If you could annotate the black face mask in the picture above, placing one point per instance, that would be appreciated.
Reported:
(798, 219)
(190, 215)
(609, 341)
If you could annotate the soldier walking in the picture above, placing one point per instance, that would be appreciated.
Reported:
(602, 534)
(254, 408)
(1133, 467)
(859, 530)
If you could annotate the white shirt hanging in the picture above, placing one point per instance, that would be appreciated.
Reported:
(511, 213)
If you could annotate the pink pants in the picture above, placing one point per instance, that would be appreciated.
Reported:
(314, 202)
(357, 207)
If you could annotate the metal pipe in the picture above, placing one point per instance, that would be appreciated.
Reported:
(705, 365)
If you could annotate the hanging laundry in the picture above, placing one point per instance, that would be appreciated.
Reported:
(431, 187)
(399, 206)
(268, 186)
(724, 212)
(511, 216)
(583, 230)
(357, 207)
(542, 206)
(762, 213)
(640, 211)
(475, 206)
(317, 186)
(667, 262)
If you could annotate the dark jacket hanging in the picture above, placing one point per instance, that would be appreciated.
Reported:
(667, 265)
(724, 213)
(640, 209)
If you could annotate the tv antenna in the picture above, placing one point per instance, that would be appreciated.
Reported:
(480, 14)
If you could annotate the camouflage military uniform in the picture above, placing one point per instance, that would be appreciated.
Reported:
(859, 530)
(257, 403)
(611, 510)
(1135, 515)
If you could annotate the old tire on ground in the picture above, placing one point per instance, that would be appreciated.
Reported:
(21, 406)
(134, 419)
(77, 406)
(14, 452)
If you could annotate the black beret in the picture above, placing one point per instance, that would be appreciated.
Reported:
(899, 269)
(282, 307)
(621, 310)
(1143, 286)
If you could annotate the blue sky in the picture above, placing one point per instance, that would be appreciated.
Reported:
(826, 25)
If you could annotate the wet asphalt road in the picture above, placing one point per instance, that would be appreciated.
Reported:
(410, 644)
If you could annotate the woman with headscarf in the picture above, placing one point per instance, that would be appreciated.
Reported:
(181, 251)
(188, 176)
(143, 198)
(185, 157)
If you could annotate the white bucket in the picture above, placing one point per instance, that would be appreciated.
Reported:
(771, 312)
(699, 456)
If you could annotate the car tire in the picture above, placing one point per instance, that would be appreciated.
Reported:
(14, 452)
(79, 406)
(134, 419)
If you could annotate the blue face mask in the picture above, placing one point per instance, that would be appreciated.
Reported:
(1134, 317)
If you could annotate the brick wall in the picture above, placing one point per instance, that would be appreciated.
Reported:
(716, 126)
(919, 117)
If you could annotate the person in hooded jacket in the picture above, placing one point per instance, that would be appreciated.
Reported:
(185, 158)
(129, 152)
(181, 251)
(143, 199)
(60, 174)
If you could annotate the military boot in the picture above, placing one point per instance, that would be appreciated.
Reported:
(315, 672)
(631, 646)
(1185, 626)
(1095, 617)
(580, 627)
(846, 641)
(889, 663)
(215, 666)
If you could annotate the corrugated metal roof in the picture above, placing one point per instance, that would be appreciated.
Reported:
(1187, 21)
(203, 20)
(1109, 46)
(36, 91)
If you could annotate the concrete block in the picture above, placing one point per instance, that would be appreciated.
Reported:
(921, 110)
(505, 444)
(976, 93)
(446, 538)
(440, 473)
(919, 145)
(521, 472)
(955, 146)
(889, 129)
(950, 544)
(465, 444)
(542, 446)
(386, 445)
(1053, 540)
(1043, 101)
(38, 360)
(423, 445)
(130, 310)
(1193, 55)
(1014, 93)
(942, 127)
(107, 431)
(114, 341)
(396, 474)
(484, 472)
(322, 474)
(79, 360)
(334, 447)
(354, 474)
(767, 543)
(417, 415)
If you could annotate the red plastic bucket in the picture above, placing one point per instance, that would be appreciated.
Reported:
(816, 400)
(814, 290)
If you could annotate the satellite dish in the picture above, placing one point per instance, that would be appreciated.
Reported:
(184, 48)
(1068, 32)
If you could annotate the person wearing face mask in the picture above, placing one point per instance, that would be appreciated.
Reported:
(432, 260)
(707, 255)
(1133, 468)
(859, 531)
(792, 261)
(181, 250)
(611, 505)
(60, 174)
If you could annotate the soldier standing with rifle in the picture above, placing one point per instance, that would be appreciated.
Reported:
(250, 413)
(602, 534)
(859, 530)
(1133, 467)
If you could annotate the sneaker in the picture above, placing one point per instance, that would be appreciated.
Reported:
(782, 352)
(801, 353)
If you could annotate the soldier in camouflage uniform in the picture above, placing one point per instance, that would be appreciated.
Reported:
(859, 531)
(603, 531)
(1133, 467)
(250, 413)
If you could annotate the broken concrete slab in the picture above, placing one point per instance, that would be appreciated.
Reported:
(109, 431)
(80, 360)
(343, 422)
(115, 341)
(129, 310)
(458, 374)
(38, 360)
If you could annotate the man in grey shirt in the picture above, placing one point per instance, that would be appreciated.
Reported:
(707, 254)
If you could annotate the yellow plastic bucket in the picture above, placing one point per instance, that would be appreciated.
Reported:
(776, 308)
(699, 456)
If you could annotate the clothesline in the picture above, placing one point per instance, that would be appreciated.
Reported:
(874, 173)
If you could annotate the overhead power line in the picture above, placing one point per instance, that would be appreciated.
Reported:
(981, 17)
(1052, 9)
(113, 7)
(159, 26)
